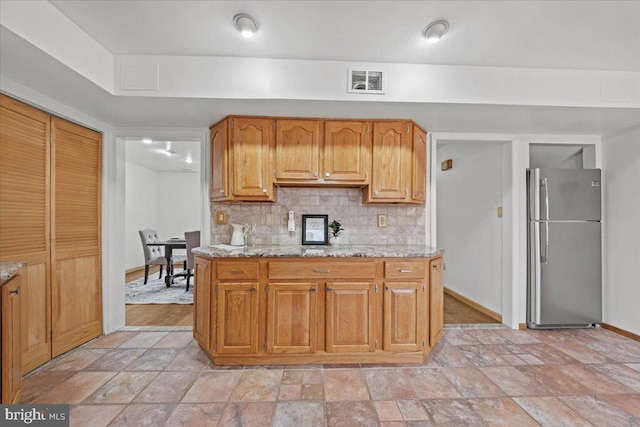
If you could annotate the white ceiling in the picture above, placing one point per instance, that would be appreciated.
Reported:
(164, 156)
(598, 35)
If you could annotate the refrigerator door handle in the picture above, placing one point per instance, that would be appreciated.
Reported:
(536, 274)
(545, 257)
(544, 183)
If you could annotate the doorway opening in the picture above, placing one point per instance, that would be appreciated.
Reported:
(162, 193)
(470, 189)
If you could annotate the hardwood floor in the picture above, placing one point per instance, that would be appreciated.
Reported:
(457, 312)
(156, 314)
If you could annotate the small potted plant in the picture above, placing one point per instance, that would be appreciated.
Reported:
(336, 227)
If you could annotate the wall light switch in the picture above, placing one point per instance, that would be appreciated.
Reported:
(382, 220)
(221, 217)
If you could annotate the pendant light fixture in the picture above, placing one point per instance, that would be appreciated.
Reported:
(245, 24)
(434, 31)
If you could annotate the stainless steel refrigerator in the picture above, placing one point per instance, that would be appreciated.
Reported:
(564, 248)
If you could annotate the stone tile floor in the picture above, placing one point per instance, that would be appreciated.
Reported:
(473, 377)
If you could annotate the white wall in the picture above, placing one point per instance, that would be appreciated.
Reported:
(621, 189)
(168, 202)
(467, 223)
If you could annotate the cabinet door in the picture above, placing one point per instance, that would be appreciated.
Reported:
(347, 151)
(419, 168)
(25, 225)
(253, 143)
(292, 318)
(76, 286)
(219, 186)
(391, 154)
(437, 300)
(405, 316)
(202, 301)
(11, 344)
(297, 150)
(237, 318)
(350, 317)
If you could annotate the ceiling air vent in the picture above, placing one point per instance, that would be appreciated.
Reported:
(366, 81)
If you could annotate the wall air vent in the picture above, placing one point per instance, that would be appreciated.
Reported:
(366, 81)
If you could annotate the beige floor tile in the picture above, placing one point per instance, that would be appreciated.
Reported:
(116, 359)
(255, 414)
(112, 340)
(290, 392)
(295, 414)
(512, 381)
(388, 384)
(630, 403)
(122, 388)
(595, 382)
(144, 340)
(501, 412)
(349, 414)
(93, 415)
(155, 359)
(77, 360)
(431, 383)
(344, 384)
(195, 414)
(470, 382)
(387, 410)
(257, 386)
(214, 386)
(452, 412)
(142, 414)
(167, 387)
(40, 382)
(175, 340)
(549, 411)
(77, 388)
(599, 412)
(412, 410)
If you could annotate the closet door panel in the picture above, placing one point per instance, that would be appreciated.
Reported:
(76, 235)
(24, 219)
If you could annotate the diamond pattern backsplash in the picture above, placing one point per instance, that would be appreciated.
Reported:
(406, 224)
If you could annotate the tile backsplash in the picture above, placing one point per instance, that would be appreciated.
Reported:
(405, 223)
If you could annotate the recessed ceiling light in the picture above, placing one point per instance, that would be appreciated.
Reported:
(245, 24)
(147, 141)
(434, 31)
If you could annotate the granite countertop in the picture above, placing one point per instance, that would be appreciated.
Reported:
(9, 269)
(336, 251)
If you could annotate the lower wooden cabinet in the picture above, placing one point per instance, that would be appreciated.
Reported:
(11, 341)
(436, 311)
(311, 310)
(350, 317)
(292, 318)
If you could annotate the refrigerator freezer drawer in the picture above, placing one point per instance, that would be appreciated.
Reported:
(565, 274)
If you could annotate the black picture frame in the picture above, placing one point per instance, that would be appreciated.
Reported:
(315, 229)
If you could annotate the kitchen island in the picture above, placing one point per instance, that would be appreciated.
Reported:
(292, 304)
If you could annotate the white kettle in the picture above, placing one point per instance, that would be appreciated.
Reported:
(237, 237)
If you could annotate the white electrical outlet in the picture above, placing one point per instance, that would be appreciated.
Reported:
(382, 220)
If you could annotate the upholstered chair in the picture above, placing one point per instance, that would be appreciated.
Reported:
(153, 255)
(192, 240)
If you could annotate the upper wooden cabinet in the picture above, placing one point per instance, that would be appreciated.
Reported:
(219, 187)
(419, 166)
(251, 155)
(347, 152)
(297, 151)
(242, 160)
(391, 162)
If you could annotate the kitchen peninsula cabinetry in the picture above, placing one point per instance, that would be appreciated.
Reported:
(242, 160)
(263, 309)
(11, 360)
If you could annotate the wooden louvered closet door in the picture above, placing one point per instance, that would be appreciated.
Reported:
(24, 220)
(76, 288)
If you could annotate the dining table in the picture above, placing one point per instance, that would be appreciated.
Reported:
(169, 246)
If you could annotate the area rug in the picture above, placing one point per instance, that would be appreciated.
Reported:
(156, 292)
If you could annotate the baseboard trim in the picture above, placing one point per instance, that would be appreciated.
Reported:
(620, 331)
(481, 308)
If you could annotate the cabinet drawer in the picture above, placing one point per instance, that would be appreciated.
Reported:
(404, 269)
(320, 270)
(237, 270)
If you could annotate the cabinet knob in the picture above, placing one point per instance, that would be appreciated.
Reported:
(329, 288)
(405, 270)
(264, 190)
(221, 190)
(14, 292)
(320, 271)
(375, 193)
(313, 289)
(315, 174)
(435, 267)
(327, 174)
(253, 289)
